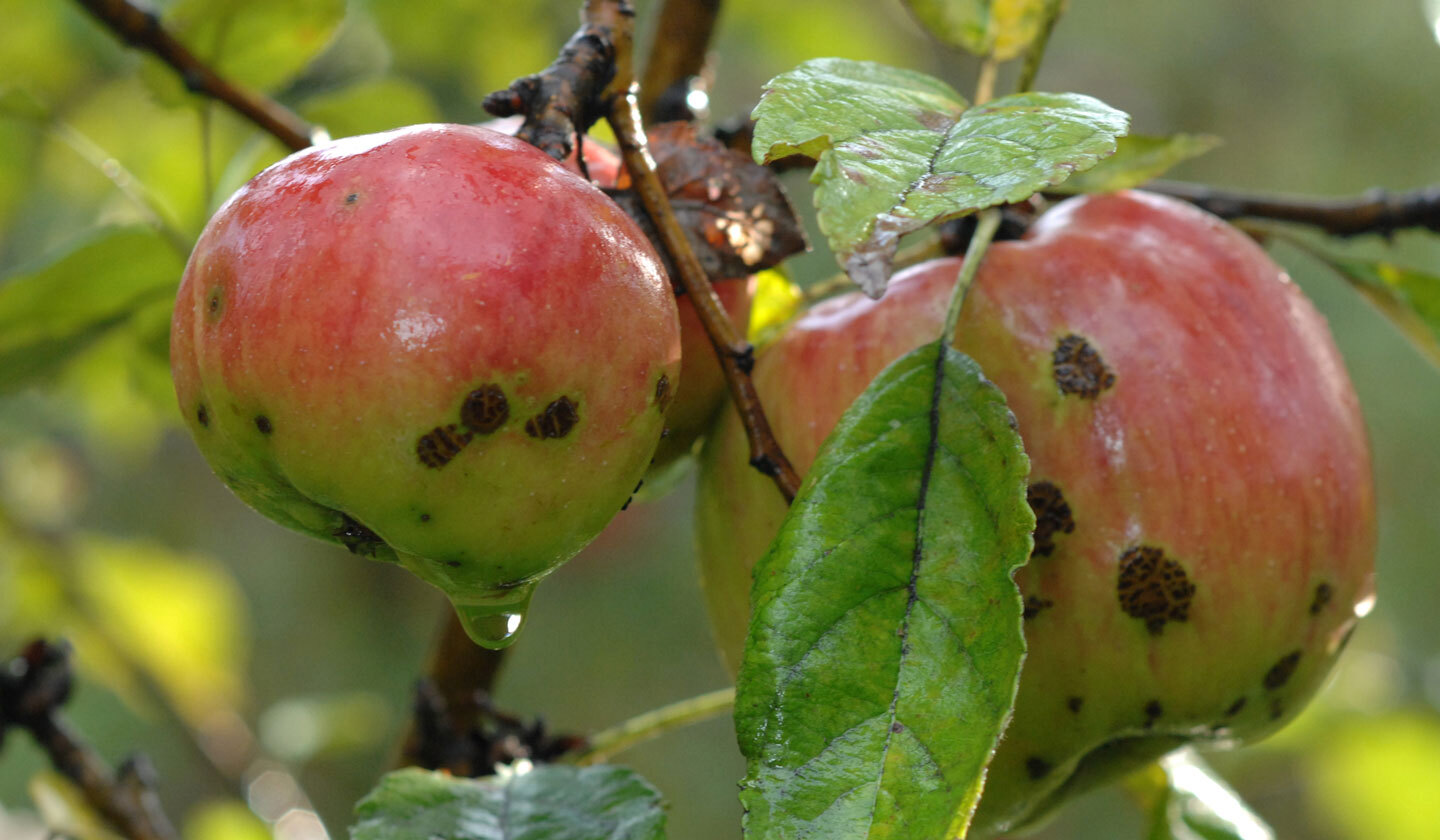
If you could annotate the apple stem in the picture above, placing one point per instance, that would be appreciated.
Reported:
(988, 223)
(735, 353)
(606, 743)
(141, 28)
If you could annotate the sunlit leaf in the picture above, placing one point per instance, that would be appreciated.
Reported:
(898, 150)
(226, 819)
(550, 802)
(885, 644)
(1377, 777)
(49, 315)
(1002, 27)
(1186, 800)
(258, 43)
(1137, 159)
(776, 302)
(64, 809)
(181, 617)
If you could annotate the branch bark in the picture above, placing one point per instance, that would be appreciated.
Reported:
(1376, 211)
(33, 687)
(678, 53)
(140, 28)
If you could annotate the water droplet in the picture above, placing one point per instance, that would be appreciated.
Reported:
(493, 619)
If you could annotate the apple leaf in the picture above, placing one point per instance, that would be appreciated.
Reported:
(1002, 27)
(885, 644)
(261, 44)
(897, 150)
(51, 314)
(1139, 158)
(1409, 298)
(1186, 800)
(549, 802)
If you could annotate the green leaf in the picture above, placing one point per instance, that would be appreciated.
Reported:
(1004, 27)
(1139, 158)
(1186, 800)
(898, 150)
(549, 802)
(885, 643)
(261, 44)
(48, 316)
(1409, 298)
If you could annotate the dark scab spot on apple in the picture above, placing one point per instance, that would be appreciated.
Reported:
(1079, 369)
(1277, 709)
(352, 198)
(1052, 516)
(202, 416)
(263, 424)
(662, 393)
(485, 410)
(215, 303)
(424, 517)
(1037, 768)
(556, 421)
(1035, 605)
(1153, 712)
(1074, 704)
(1154, 588)
(1235, 707)
(454, 564)
(1324, 592)
(440, 445)
(1281, 671)
(356, 537)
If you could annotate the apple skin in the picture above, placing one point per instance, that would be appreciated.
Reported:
(434, 345)
(1217, 539)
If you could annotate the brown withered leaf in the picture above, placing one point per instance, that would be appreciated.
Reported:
(737, 217)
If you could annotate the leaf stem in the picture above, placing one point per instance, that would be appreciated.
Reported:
(987, 224)
(1036, 53)
(606, 743)
(985, 84)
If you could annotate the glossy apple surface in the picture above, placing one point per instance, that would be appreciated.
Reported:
(1200, 475)
(434, 345)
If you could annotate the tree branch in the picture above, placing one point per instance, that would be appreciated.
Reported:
(1377, 211)
(33, 687)
(677, 55)
(140, 28)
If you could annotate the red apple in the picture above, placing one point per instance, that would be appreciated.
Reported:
(1200, 475)
(434, 345)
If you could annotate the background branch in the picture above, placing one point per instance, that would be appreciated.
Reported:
(1377, 211)
(141, 28)
(33, 687)
(678, 53)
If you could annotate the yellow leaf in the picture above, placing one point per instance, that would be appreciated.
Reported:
(225, 819)
(776, 302)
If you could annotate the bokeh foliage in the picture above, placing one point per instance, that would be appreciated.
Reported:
(189, 612)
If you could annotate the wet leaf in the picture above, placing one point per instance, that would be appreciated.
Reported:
(549, 802)
(1004, 27)
(51, 314)
(1137, 159)
(885, 644)
(1186, 800)
(898, 150)
(736, 216)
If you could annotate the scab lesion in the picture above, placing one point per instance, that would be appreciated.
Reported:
(1153, 588)
(483, 412)
(1079, 369)
(556, 421)
(440, 445)
(663, 393)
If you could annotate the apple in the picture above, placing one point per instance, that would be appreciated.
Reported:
(1200, 476)
(433, 345)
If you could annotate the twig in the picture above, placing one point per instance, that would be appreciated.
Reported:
(461, 676)
(735, 353)
(33, 687)
(677, 54)
(1377, 211)
(141, 28)
(606, 743)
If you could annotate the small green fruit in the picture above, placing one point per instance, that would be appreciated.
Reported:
(433, 345)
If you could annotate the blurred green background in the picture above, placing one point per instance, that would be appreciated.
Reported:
(194, 617)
